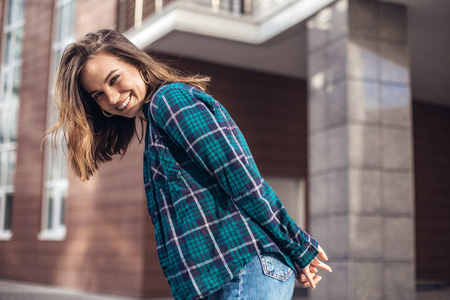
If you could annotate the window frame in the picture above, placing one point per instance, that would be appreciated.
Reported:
(55, 190)
(8, 109)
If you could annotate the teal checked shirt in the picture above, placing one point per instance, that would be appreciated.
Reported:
(211, 209)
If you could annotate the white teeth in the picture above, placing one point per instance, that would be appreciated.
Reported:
(125, 103)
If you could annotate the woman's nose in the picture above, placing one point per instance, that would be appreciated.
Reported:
(113, 96)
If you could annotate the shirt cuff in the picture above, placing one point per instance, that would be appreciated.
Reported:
(308, 254)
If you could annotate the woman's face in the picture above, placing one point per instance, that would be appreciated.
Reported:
(115, 85)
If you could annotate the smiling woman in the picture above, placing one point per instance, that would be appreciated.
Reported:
(100, 76)
(121, 92)
(220, 229)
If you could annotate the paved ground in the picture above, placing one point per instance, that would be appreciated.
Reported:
(16, 290)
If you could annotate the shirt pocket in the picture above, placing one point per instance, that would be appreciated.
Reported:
(273, 265)
(162, 167)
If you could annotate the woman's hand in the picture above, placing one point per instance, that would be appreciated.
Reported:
(308, 277)
(303, 280)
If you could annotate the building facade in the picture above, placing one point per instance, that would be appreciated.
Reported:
(344, 107)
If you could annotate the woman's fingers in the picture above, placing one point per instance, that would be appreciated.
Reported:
(322, 254)
(309, 277)
(300, 274)
(319, 264)
(302, 278)
(306, 284)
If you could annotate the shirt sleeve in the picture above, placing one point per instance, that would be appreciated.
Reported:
(202, 126)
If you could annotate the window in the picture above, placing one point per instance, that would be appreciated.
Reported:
(9, 108)
(56, 183)
(133, 12)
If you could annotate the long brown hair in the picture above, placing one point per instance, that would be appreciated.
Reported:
(91, 137)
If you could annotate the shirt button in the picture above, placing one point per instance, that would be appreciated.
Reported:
(241, 193)
(164, 267)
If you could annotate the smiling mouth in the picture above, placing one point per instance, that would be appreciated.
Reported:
(125, 103)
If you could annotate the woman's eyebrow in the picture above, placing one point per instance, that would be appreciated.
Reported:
(109, 74)
(106, 79)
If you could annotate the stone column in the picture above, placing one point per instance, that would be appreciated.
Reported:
(360, 150)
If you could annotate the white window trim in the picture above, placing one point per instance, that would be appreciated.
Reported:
(53, 235)
(6, 234)
(59, 231)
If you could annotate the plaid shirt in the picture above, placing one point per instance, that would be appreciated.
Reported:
(211, 209)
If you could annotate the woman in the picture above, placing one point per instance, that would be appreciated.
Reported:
(221, 231)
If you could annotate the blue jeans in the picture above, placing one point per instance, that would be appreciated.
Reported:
(265, 277)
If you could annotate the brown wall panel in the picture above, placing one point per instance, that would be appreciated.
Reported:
(103, 248)
(154, 283)
(432, 191)
(270, 110)
(93, 15)
(22, 252)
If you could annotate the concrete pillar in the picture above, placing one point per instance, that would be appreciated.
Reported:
(360, 150)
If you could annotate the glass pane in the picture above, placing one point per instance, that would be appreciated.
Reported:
(8, 47)
(71, 18)
(66, 20)
(8, 212)
(51, 164)
(16, 85)
(18, 44)
(2, 127)
(60, 34)
(54, 169)
(58, 164)
(56, 59)
(11, 167)
(11, 8)
(13, 124)
(63, 215)
(61, 159)
(4, 95)
(64, 163)
(2, 163)
(21, 10)
(54, 115)
(50, 210)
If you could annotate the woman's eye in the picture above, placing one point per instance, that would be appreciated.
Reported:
(97, 95)
(113, 79)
